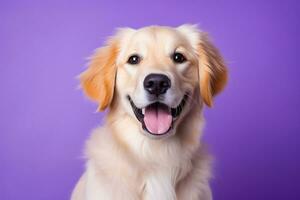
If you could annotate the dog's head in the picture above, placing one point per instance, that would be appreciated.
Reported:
(156, 74)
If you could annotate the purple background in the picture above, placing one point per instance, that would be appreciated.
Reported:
(253, 130)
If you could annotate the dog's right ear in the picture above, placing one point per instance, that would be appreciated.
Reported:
(98, 80)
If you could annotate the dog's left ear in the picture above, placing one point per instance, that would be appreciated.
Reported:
(211, 67)
(98, 80)
(212, 70)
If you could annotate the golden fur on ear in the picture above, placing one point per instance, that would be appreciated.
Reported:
(99, 79)
(213, 72)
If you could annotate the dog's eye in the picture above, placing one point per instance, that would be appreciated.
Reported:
(178, 58)
(134, 59)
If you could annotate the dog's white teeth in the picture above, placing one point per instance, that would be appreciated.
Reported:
(143, 111)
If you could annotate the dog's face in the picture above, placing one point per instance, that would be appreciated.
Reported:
(155, 74)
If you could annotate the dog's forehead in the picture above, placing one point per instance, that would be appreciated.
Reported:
(157, 37)
(158, 34)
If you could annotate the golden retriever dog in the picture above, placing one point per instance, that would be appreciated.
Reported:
(155, 82)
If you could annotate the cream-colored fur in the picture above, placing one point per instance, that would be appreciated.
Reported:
(122, 162)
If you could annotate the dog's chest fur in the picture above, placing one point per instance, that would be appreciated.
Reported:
(154, 170)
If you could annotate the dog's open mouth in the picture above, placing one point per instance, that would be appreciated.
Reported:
(157, 118)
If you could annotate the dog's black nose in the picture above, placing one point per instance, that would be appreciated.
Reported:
(157, 84)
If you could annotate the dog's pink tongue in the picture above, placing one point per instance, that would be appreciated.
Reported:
(157, 119)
